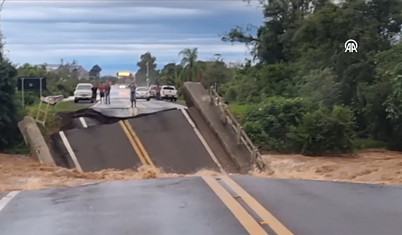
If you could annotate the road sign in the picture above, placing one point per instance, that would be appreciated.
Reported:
(124, 74)
(32, 83)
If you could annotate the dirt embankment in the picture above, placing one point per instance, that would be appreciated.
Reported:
(369, 166)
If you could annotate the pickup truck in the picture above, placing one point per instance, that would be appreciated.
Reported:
(168, 93)
(83, 91)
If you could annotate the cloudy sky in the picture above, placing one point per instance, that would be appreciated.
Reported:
(115, 33)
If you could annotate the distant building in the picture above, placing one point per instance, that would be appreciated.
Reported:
(81, 73)
(76, 70)
(48, 67)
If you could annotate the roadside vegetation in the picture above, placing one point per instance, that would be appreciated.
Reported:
(302, 93)
(59, 82)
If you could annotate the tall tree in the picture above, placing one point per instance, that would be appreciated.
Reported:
(9, 109)
(146, 63)
(168, 74)
(29, 70)
(192, 70)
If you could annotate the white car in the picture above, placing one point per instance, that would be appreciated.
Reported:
(142, 93)
(83, 91)
(169, 93)
(152, 92)
(122, 86)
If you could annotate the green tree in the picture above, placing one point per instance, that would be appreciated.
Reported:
(168, 74)
(216, 73)
(192, 69)
(10, 112)
(299, 52)
(147, 63)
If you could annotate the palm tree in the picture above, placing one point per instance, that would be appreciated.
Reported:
(192, 70)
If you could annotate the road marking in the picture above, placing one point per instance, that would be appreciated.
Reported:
(238, 211)
(83, 122)
(134, 111)
(141, 106)
(96, 104)
(144, 152)
(209, 150)
(267, 217)
(6, 199)
(133, 143)
(70, 150)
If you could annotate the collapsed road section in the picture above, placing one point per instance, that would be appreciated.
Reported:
(165, 139)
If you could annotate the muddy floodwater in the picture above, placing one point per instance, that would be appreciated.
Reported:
(18, 172)
(369, 166)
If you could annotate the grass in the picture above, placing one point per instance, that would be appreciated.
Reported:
(182, 102)
(238, 110)
(62, 106)
(53, 123)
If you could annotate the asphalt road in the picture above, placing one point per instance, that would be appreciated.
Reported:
(166, 140)
(199, 206)
(171, 143)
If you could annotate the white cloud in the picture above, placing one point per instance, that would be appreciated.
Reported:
(113, 32)
(57, 13)
(53, 53)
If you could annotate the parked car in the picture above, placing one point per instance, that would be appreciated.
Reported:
(142, 93)
(152, 92)
(83, 91)
(169, 93)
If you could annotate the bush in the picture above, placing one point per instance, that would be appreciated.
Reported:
(275, 116)
(324, 131)
(256, 133)
(238, 110)
(9, 110)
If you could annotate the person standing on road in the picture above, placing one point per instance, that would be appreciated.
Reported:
(102, 92)
(94, 92)
(133, 99)
(158, 92)
(107, 91)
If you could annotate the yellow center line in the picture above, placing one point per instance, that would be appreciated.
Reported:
(132, 142)
(143, 151)
(238, 211)
(275, 224)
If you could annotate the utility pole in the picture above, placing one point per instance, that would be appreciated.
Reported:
(147, 73)
(1, 32)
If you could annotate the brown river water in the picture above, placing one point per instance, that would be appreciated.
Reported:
(18, 172)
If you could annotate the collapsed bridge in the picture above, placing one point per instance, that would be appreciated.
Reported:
(178, 140)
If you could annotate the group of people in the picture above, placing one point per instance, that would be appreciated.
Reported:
(104, 92)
